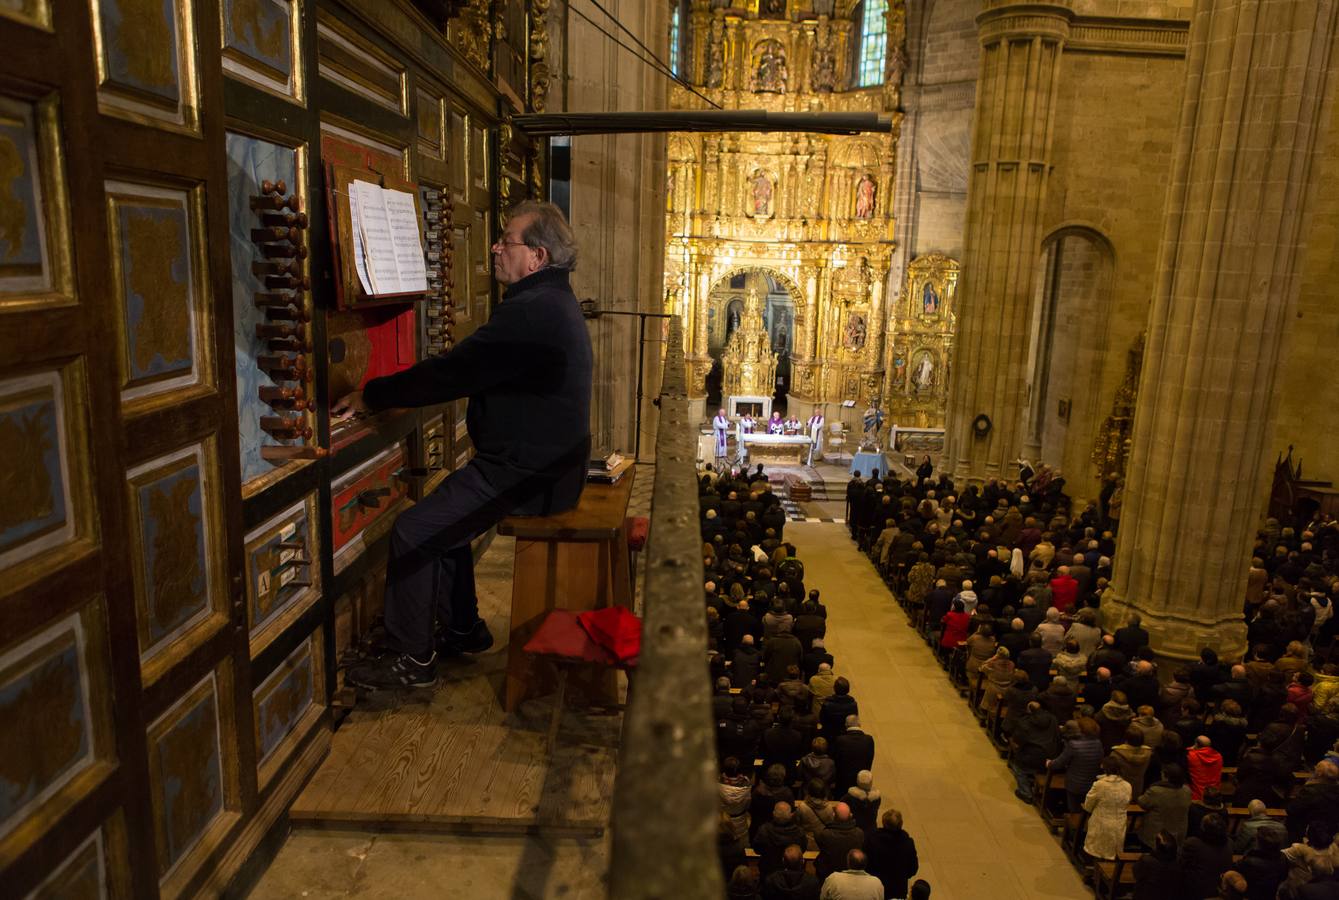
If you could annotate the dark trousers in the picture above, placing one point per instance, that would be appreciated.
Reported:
(430, 575)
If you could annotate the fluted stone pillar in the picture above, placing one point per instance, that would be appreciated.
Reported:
(1228, 271)
(1021, 43)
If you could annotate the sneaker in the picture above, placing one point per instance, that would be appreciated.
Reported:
(394, 670)
(476, 640)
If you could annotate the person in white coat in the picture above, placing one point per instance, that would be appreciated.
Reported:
(1107, 804)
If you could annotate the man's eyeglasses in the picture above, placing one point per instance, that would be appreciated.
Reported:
(501, 243)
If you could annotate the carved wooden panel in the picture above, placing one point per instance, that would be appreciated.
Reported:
(192, 775)
(145, 53)
(286, 703)
(180, 591)
(348, 59)
(430, 122)
(29, 12)
(262, 44)
(82, 876)
(48, 508)
(165, 321)
(56, 744)
(35, 267)
(98, 869)
(283, 571)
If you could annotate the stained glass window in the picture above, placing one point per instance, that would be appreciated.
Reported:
(873, 43)
(674, 41)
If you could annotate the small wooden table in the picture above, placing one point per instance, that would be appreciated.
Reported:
(575, 560)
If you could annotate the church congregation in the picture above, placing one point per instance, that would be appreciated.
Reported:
(1217, 779)
(800, 813)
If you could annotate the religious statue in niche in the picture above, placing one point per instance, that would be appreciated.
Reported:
(853, 336)
(899, 368)
(823, 75)
(823, 69)
(769, 74)
(866, 191)
(929, 299)
(923, 371)
(773, 9)
(762, 194)
(780, 340)
(715, 50)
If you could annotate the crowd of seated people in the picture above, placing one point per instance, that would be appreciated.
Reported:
(1216, 779)
(800, 814)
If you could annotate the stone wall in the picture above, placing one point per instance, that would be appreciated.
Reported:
(618, 209)
(937, 95)
(1307, 377)
(1116, 119)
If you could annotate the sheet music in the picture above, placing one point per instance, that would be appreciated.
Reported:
(402, 219)
(388, 253)
(359, 257)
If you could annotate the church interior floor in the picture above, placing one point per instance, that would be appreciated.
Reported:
(932, 760)
(475, 806)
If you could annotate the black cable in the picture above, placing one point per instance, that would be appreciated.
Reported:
(636, 40)
(659, 66)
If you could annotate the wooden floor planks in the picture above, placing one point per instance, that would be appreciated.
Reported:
(450, 759)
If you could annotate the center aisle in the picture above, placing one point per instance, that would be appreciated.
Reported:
(932, 760)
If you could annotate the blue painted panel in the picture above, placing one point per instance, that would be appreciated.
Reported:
(33, 483)
(191, 778)
(20, 214)
(46, 731)
(251, 161)
(261, 30)
(155, 247)
(283, 703)
(140, 40)
(176, 587)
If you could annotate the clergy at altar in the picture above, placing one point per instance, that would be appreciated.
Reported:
(814, 428)
(775, 425)
(720, 427)
(747, 423)
(793, 425)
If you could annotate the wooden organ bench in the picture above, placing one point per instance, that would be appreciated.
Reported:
(576, 560)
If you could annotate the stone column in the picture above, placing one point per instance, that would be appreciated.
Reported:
(1228, 273)
(1021, 43)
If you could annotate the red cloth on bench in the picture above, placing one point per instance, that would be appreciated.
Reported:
(617, 631)
(561, 634)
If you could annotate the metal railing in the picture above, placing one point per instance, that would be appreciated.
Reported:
(665, 807)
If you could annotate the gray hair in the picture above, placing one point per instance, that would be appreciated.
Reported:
(548, 230)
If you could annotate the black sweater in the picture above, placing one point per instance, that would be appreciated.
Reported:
(527, 374)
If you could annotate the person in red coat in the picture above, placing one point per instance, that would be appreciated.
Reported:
(956, 622)
(1064, 590)
(1205, 767)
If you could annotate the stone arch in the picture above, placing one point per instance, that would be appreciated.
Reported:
(780, 316)
(1067, 344)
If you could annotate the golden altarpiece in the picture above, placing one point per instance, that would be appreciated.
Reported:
(811, 211)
